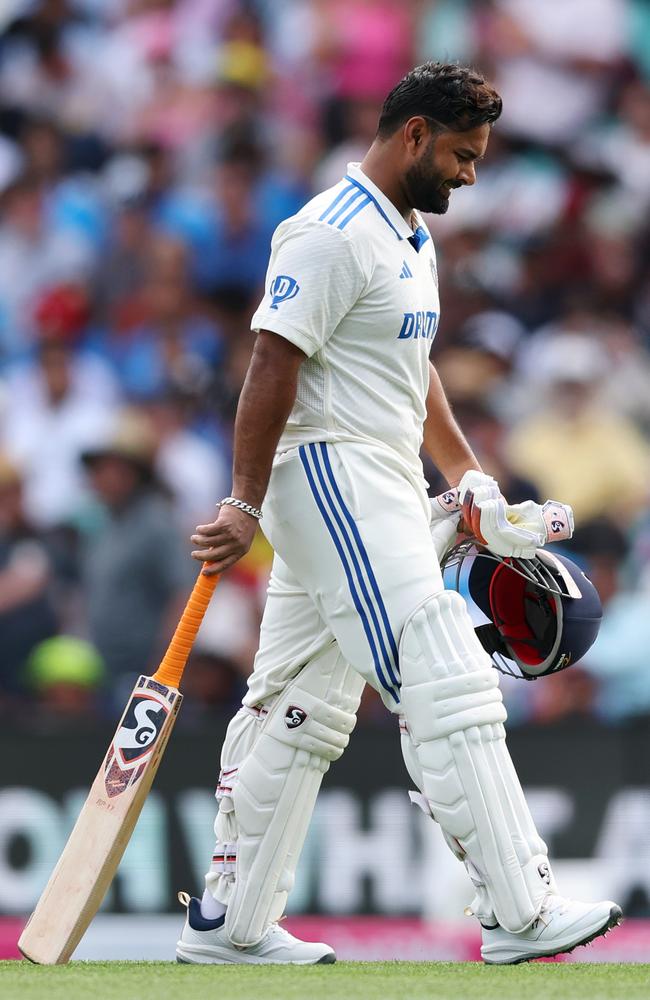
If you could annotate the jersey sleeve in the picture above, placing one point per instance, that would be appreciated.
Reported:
(313, 279)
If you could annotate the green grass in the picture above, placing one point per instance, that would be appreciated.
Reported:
(343, 981)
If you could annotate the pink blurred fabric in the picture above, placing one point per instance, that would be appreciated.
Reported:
(374, 43)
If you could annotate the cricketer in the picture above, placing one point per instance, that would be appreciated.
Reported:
(339, 398)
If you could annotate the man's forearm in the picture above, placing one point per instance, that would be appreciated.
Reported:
(444, 441)
(265, 403)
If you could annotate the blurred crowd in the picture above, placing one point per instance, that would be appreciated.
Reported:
(148, 148)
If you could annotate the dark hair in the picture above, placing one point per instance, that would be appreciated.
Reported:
(456, 97)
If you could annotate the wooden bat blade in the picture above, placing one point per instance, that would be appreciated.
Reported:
(103, 829)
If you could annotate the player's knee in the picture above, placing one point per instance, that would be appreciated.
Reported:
(305, 721)
(448, 682)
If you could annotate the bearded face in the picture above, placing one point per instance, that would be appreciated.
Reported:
(445, 159)
(428, 181)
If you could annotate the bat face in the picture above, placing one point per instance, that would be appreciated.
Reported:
(137, 735)
(84, 871)
(102, 831)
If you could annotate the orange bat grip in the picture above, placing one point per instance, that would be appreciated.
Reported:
(173, 662)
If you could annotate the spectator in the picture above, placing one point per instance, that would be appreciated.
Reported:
(57, 403)
(65, 673)
(135, 568)
(71, 196)
(34, 255)
(576, 449)
(237, 251)
(175, 342)
(27, 608)
(124, 264)
(195, 471)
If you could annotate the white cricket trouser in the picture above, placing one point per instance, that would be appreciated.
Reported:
(354, 558)
(356, 578)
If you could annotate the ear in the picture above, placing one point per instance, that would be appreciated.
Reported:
(416, 131)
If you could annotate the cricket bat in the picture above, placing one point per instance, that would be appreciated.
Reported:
(103, 829)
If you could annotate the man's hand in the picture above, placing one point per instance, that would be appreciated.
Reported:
(510, 529)
(225, 541)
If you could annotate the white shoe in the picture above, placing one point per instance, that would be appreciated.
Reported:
(561, 926)
(204, 942)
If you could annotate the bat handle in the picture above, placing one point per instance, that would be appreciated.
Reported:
(173, 662)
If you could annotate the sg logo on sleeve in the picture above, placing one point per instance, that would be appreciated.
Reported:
(283, 288)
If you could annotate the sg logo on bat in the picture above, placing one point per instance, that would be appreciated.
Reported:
(142, 723)
(134, 742)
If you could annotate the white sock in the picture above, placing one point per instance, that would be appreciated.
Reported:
(211, 908)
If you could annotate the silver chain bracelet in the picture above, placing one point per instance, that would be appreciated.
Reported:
(246, 507)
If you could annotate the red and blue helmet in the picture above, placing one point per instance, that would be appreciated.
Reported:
(543, 613)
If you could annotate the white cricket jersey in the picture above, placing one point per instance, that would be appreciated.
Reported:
(353, 286)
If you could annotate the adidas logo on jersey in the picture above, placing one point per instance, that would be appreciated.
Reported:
(406, 271)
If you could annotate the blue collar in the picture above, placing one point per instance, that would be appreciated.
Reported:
(419, 238)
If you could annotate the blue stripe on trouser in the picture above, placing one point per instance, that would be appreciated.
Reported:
(354, 555)
(394, 674)
(361, 611)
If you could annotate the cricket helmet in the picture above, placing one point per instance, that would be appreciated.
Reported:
(543, 613)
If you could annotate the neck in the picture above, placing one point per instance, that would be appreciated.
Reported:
(377, 166)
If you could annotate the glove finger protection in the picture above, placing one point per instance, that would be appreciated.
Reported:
(553, 520)
(519, 529)
(475, 481)
(504, 538)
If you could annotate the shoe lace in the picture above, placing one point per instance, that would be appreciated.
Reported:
(551, 903)
(273, 931)
(279, 932)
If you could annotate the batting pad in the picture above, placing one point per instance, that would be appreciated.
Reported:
(454, 714)
(273, 797)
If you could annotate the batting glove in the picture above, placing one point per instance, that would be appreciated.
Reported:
(445, 515)
(553, 520)
(510, 529)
